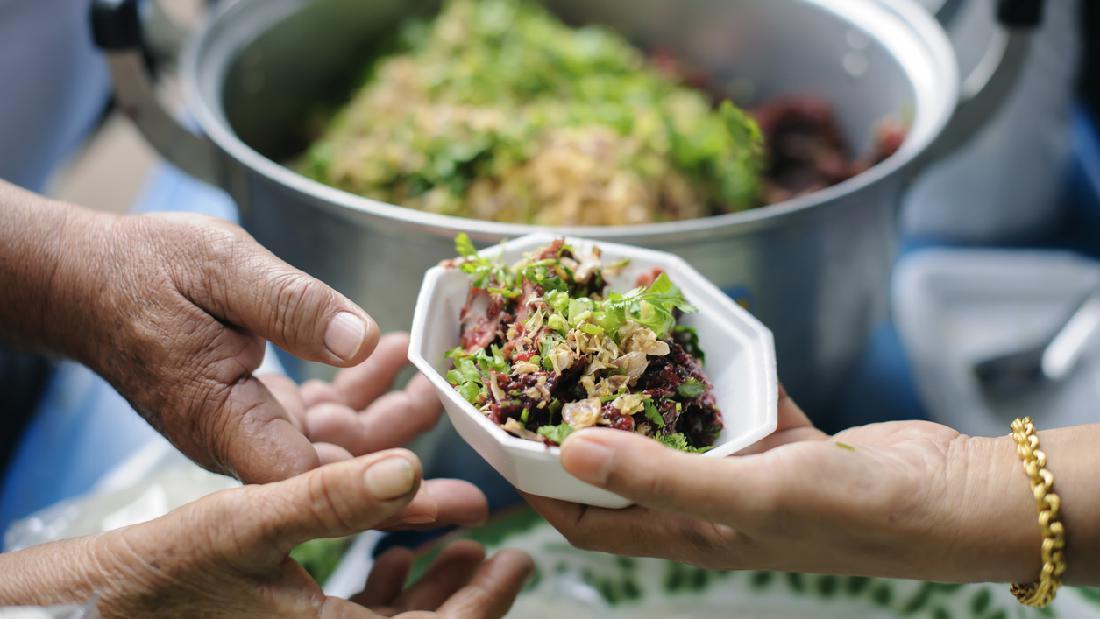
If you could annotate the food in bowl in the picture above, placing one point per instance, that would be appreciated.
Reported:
(546, 349)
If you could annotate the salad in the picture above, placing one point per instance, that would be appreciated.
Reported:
(546, 349)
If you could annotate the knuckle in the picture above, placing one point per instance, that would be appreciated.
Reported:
(328, 510)
(295, 296)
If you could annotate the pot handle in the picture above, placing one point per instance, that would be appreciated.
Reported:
(118, 29)
(982, 91)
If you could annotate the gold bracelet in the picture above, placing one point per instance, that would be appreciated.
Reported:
(1040, 593)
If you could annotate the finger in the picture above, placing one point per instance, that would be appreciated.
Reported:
(316, 392)
(328, 453)
(644, 471)
(493, 588)
(640, 532)
(386, 579)
(252, 437)
(792, 426)
(358, 386)
(459, 502)
(394, 419)
(452, 569)
(337, 500)
(246, 285)
(285, 391)
(441, 502)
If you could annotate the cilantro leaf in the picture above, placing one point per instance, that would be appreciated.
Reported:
(652, 414)
(464, 246)
(653, 307)
(691, 389)
(679, 442)
(557, 433)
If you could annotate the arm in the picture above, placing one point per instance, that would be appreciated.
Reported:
(904, 499)
(37, 237)
(173, 310)
(227, 555)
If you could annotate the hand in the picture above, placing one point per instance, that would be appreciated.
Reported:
(174, 311)
(357, 414)
(226, 555)
(906, 499)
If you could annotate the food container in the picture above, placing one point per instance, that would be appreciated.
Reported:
(814, 268)
(740, 363)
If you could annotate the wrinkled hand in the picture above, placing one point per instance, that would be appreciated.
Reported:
(358, 414)
(175, 311)
(226, 555)
(904, 499)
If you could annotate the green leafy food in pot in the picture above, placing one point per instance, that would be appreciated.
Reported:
(496, 110)
(546, 349)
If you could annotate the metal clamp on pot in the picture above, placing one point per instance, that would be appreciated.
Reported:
(814, 268)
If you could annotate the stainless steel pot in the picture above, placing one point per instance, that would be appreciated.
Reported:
(815, 268)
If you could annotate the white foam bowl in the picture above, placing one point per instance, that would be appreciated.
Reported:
(740, 362)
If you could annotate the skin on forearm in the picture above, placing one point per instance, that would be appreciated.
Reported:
(44, 259)
(1000, 520)
(56, 574)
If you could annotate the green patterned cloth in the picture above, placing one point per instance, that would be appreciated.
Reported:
(578, 584)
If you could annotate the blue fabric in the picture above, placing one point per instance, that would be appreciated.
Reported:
(53, 86)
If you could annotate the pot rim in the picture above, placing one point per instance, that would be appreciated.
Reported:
(916, 40)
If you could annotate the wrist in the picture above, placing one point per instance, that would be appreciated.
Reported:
(996, 516)
(44, 244)
(55, 574)
(78, 284)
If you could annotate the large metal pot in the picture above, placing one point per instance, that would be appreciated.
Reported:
(815, 268)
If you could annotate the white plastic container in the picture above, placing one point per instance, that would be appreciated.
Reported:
(740, 363)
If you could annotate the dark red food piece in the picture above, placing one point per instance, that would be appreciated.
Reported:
(646, 279)
(807, 150)
(481, 319)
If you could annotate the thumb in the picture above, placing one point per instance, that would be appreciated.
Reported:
(336, 500)
(249, 287)
(642, 470)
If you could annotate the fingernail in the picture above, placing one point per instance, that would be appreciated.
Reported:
(417, 517)
(391, 478)
(344, 335)
(588, 460)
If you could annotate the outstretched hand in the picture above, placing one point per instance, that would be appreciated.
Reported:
(903, 499)
(227, 555)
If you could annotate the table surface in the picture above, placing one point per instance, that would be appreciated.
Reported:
(83, 428)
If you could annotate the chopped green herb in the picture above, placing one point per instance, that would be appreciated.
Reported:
(679, 441)
(464, 246)
(691, 389)
(556, 433)
(652, 414)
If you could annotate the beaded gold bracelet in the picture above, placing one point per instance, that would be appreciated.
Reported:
(1041, 592)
